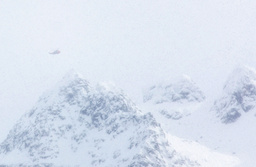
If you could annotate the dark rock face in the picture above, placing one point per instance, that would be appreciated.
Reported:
(239, 96)
(99, 127)
(231, 116)
(184, 90)
(171, 115)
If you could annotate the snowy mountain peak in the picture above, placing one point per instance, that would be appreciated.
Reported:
(179, 91)
(239, 95)
(72, 77)
(71, 88)
(72, 74)
(75, 124)
(240, 76)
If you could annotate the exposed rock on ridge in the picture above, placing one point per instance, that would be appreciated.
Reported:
(181, 91)
(76, 124)
(239, 95)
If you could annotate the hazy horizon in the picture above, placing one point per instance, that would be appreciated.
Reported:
(132, 43)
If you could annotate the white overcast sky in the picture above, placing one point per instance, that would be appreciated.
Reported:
(132, 43)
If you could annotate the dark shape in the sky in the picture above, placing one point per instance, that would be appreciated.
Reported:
(55, 52)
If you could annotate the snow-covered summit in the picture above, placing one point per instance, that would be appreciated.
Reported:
(241, 76)
(239, 95)
(77, 124)
(71, 75)
(180, 91)
(173, 99)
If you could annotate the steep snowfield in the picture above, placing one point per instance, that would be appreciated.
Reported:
(76, 124)
(202, 154)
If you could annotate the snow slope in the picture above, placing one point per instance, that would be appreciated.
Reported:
(203, 122)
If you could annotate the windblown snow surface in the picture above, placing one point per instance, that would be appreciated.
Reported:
(76, 124)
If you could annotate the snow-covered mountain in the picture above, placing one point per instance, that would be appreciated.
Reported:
(174, 99)
(227, 126)
(180, 91)
(77, 124)
(239, 95)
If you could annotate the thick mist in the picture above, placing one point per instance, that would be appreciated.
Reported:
(132, 43)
